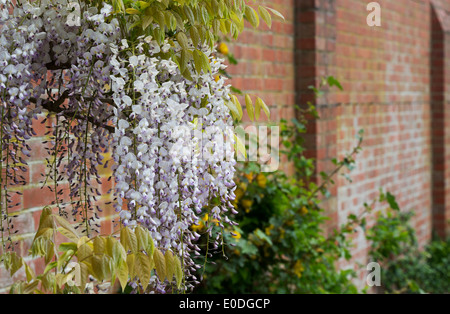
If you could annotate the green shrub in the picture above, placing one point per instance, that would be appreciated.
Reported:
(406, 268)
(280, 245)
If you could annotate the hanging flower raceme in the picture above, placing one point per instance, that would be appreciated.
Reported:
(171, 156)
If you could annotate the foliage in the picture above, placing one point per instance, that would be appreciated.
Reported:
(405, 267)
(280, 245)
(102, 258)
(124, 81)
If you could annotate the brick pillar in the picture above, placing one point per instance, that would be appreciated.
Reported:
(440, 117)
(315, 52)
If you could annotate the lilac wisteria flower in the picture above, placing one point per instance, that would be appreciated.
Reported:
(166, 172)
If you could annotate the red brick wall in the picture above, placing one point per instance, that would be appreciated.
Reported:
(396, 81)
(396, 89)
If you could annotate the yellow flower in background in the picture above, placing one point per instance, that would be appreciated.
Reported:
(304, 210)
(261, 180)
(249, 176)
(236, 235)
(239, 193)
(298, 269)
(223, 48)
(268, 229)
(217, 78)
(282, 233)
(198, 227)
(247, 204)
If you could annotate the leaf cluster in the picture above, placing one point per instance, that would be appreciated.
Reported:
(104, 259)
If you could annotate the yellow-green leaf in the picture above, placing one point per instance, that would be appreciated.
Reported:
(28, 271)
(142, 238)
(195, 36)
(276, 13)
(182, 40)
(265, 15)
(122, 274)
(68, 234)
(128, 239)
(65, 246)
(132, 11)
(257, 110)
(238, 105)
(170, 264)
(143, 4)
(100, 266)
(50, 251)
(198, 60)
(249, 107)
(233, 109)
(143, 269)
(160, 264)
(178, 271)
(84, 274)
(29, 288)
(130, 262)
(146, 21)
(99, 245)
(263, 106)
(66, 225)
(240, 147)
(84, 252)
(251, 16)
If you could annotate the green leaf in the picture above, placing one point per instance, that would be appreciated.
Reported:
(332, 81)
(182, 40)
(392, 202)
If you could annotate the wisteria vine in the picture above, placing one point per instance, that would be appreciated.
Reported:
(104, 93)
